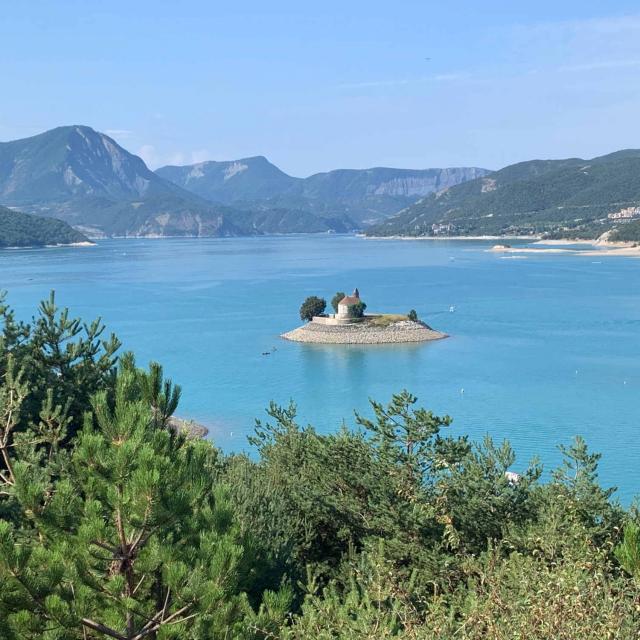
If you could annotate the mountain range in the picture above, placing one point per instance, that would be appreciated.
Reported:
(363, 195)
(571, 198)
(85, 178)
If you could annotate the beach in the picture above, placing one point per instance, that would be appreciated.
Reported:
(603, 248)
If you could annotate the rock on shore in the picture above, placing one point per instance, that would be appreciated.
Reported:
(397, 332)
(189, 428)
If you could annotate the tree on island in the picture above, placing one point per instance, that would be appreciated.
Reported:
(412, 315)
(357, 310)
(335, 301)
(312, 306)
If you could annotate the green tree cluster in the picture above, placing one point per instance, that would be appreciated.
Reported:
(335, 301)
(112, 525)
(357, 310)
(312, 306)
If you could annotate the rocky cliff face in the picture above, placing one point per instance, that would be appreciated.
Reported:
(417, 186)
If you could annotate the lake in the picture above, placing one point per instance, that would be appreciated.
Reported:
(541, 348)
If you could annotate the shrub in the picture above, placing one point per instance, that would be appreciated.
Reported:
(412, 315)
(357, 310)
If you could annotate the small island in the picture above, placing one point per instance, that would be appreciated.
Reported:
(351, 325)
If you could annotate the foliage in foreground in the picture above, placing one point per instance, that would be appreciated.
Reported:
(114, 526)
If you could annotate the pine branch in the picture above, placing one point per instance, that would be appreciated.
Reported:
(172, 619)
(97, 626)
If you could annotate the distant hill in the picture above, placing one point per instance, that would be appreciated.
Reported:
(557, 198)
(363, 195)
(247, 179)
(86, 179)
(19, 229)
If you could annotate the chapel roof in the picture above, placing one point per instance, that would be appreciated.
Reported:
(354, 298)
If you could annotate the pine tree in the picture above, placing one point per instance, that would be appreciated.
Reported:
(56, 355)
(133, 541)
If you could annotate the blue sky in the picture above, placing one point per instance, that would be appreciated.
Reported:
(321, 85)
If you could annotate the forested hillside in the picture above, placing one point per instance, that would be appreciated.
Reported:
(22, 230)
(629, 232)
(112, 525)
(556, 198)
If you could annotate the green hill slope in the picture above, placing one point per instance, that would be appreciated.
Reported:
(22, 230)
(557, 198)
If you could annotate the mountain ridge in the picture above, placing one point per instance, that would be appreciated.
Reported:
(87, 179)
(363, 195)
(571, 197)
(71, 161)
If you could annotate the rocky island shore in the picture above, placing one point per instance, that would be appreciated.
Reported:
(366, 332)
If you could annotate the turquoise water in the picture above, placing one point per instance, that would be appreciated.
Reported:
(544, 347)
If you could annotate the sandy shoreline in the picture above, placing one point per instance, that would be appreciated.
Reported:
(564, 243)
(85, 243)
(442, 238)
(628, 249)
(622, 249)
